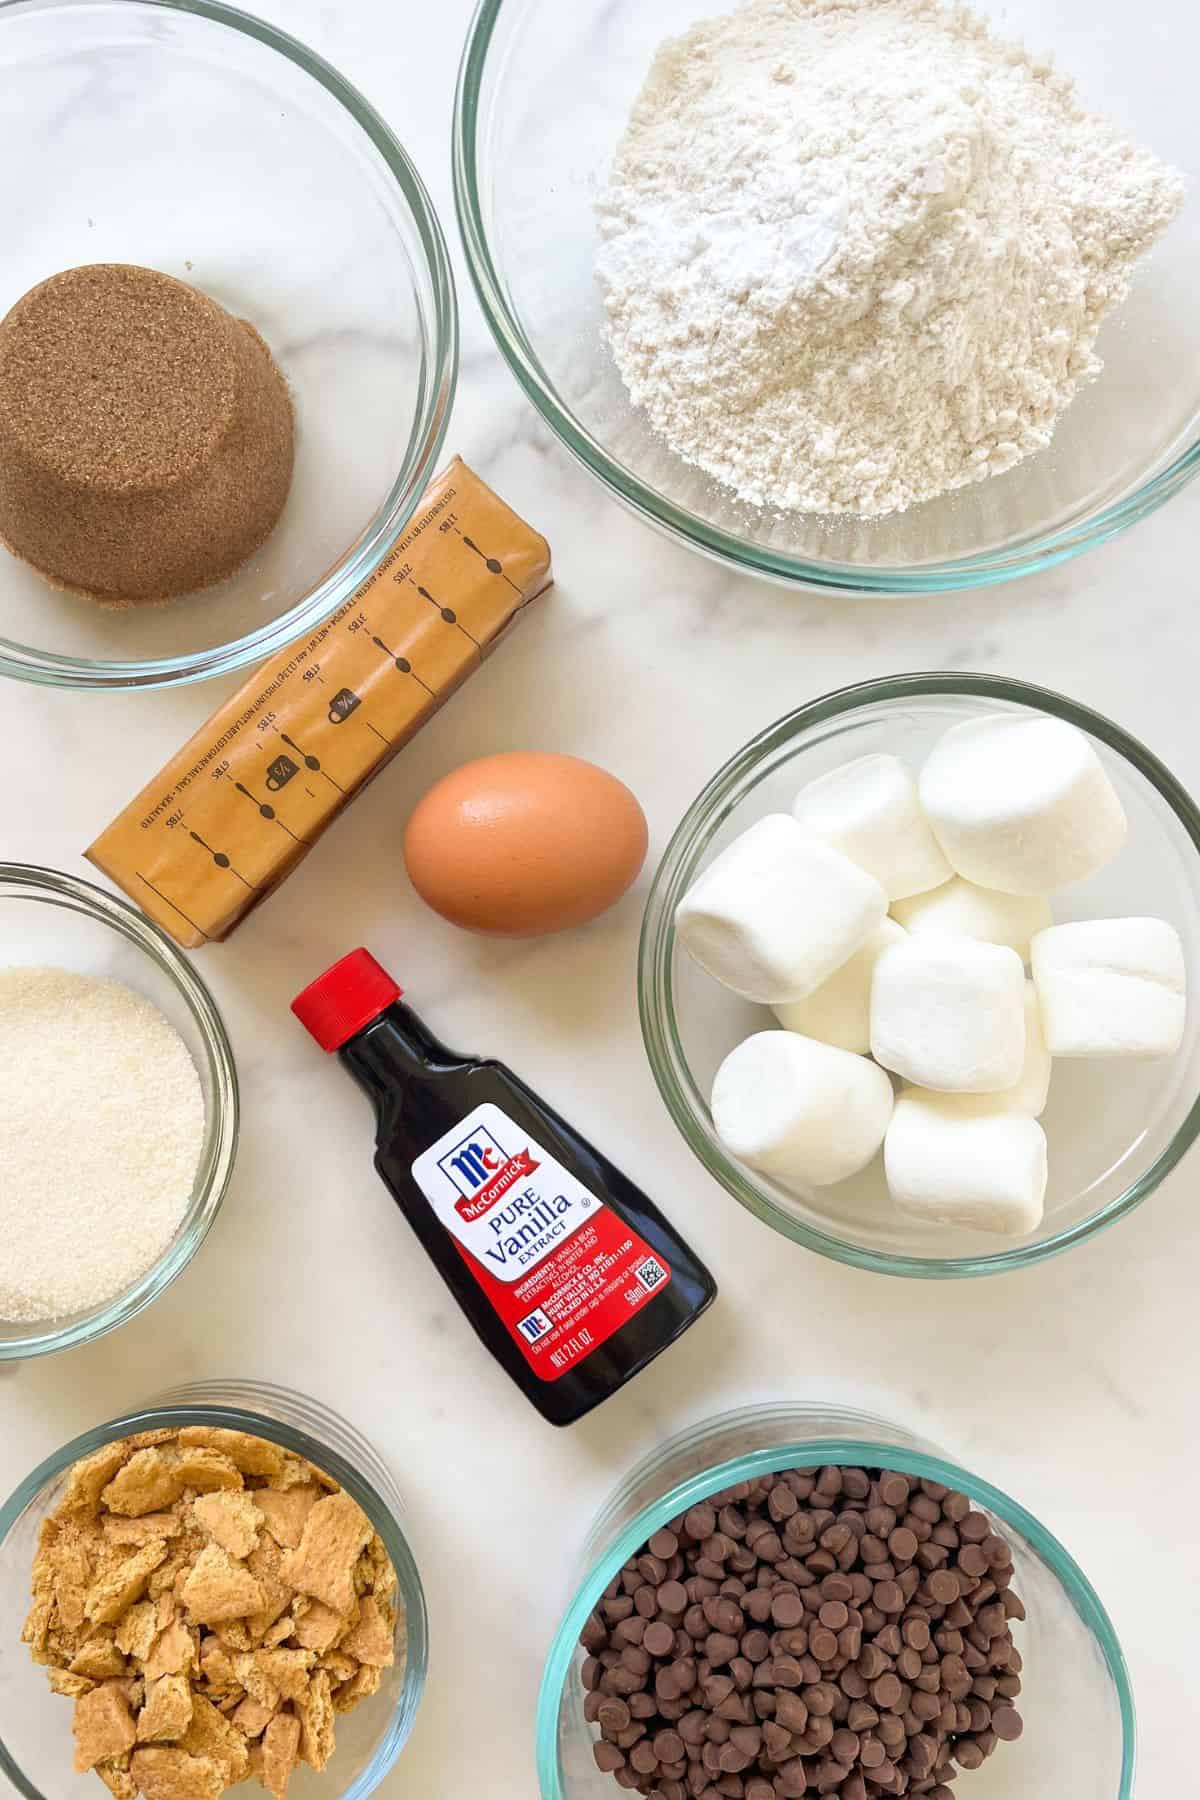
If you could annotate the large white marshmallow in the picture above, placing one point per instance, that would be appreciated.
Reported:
(778, 912)
(954, 1160)
(960, 909)
(839, 1011)
(1030, 1094)
(949, 1013)
(1111, 987)
(806, 1113)
(1021, 803)
(869, 810)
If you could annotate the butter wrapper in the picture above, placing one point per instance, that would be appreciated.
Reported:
(247, 797)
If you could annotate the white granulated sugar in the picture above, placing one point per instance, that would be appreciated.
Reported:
(856, 252)
(101, 1128)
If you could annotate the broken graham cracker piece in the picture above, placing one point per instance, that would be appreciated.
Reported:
(253, 1456)
(167, 1710)
(118, 1530)
(264, 1564)
(370, 1640)
(231, 1519)
(219, 1589)
(69, 1685)
(361, 1686)
(122, 1582)
(286, 1510)
(216, 1667)
(210, 1735)
(99, 1657)
(117, 1779)
(89, 1478)
(172, 1653)
(149, 1482)
(339, 1667)
(251, 1717)
(102, 1726)
(317, 1627)
(387, 659)
(167, 1774)
(208, 1470)
(137, 1630)
(280, 1754)
(315, 1712)
(323, 1563)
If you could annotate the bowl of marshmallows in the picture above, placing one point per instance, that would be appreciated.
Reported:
(915, 974)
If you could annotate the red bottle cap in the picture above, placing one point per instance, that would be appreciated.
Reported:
(343, 1001)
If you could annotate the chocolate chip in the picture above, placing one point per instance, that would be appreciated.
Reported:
(787, 1609)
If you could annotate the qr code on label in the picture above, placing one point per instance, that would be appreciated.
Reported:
(651, 1274)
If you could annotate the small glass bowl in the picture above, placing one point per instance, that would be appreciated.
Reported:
(55, 920)
(190, 137)
(35, 1725)
(1073, 1666)
(1115, 1129)
(544, 93)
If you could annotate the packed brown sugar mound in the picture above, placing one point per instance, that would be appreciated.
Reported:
(146, 435)
(210, 1603)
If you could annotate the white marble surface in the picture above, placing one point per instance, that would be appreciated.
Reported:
(1073, 1386)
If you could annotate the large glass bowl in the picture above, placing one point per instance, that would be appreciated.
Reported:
(54, 920)
(1115, 1129)
(544, 92)
(195, 139)
(1074, 1676)
(35, 1725)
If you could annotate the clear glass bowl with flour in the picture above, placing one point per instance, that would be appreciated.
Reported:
(530, 176)
(51, 921)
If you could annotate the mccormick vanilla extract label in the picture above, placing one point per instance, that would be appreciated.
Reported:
(559, 1267)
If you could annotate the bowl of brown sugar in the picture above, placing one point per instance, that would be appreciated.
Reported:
(228, 341)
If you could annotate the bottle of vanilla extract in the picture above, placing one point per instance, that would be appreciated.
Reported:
(572, 1277)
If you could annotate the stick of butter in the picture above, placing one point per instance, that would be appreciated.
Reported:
(231, 815)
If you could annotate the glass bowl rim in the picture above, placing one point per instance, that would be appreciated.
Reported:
(814, 1452)
(1037, 550)
(29, 881)
(377, 1509)
(431, 415)
(664, 1050)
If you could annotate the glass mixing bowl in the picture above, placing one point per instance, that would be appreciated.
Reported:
(1073, 1667)
(35, 1725)
(1115, 1129)
(192, 138)
(544, 93)
(54, 920)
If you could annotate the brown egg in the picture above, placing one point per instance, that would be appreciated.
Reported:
(524, 843)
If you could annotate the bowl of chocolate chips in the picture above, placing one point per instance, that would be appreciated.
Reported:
(791, 1601)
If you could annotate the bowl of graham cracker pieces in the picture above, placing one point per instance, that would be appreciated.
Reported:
(209, 1591)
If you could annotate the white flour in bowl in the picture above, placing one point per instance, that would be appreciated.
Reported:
(101, 1129)
(856, 252)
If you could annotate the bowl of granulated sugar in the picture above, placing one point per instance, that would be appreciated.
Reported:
(118, 1111)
